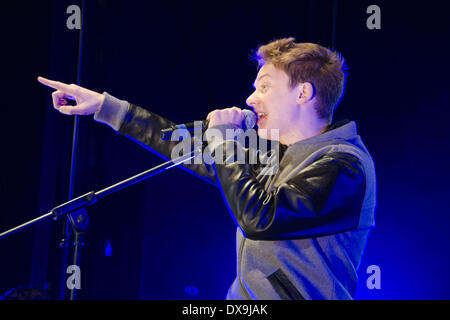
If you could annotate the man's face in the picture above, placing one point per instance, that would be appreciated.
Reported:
(274, 102)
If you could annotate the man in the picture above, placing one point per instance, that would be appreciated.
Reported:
(301, 232)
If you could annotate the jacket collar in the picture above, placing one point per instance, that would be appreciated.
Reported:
(343, 129)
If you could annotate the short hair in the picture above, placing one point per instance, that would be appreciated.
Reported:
(308, 62)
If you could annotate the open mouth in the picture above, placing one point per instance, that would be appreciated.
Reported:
(260, 116)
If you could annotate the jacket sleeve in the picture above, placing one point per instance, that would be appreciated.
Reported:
(324, 198)
(145, 127)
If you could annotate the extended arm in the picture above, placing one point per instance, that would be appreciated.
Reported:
(128, 119)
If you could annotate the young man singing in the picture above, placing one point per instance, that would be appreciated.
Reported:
(301, 231)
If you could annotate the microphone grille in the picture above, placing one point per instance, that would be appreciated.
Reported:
(250, 119)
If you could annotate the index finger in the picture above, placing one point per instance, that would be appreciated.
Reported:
(55, 84)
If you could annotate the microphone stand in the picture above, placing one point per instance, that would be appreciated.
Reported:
(75, 210)
(66, 231)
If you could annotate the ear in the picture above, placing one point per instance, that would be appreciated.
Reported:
(306, 92)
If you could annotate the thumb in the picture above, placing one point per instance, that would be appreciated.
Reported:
(79, 109)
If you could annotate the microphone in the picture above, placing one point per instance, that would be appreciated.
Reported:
(248, 123)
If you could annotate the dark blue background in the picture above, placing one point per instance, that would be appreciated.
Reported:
(171, 236)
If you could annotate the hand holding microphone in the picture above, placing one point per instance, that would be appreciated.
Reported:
(234, 115)
(246, 119)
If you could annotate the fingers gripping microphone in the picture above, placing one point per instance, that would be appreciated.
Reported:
(248, 123)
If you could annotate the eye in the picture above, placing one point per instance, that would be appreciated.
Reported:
(264, 87)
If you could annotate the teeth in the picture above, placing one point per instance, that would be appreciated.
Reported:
(261, 114)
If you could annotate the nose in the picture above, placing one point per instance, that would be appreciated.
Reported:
(251, 100)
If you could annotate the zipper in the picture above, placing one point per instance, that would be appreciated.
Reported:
(284, 287)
